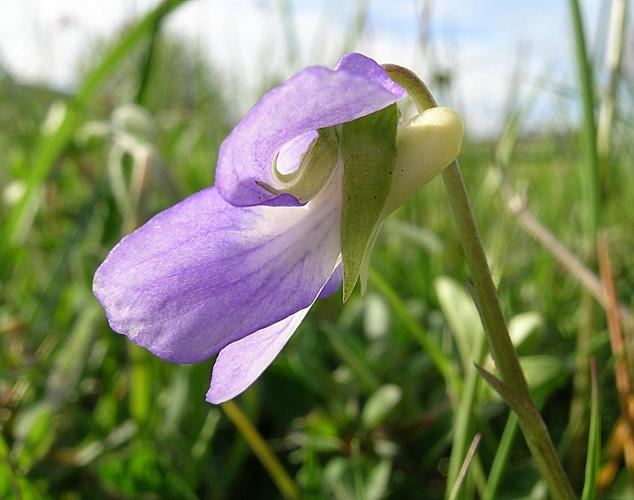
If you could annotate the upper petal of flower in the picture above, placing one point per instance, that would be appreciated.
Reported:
(369, 69)
(203, 273)
(317, 97)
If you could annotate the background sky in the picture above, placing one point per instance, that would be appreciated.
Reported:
(479, 43)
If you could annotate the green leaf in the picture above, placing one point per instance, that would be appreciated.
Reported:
(380, 405)
(523, 325)
(337, 479)
(379, 480)
(544, 373)
(368, 151)
(376, 317)
(34, 434)
(462, 316)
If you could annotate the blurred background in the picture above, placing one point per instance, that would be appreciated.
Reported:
(113, 111)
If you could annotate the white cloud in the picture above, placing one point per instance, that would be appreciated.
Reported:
(477, 40)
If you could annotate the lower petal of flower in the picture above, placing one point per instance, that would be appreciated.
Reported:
(241, 363)
(203, 273)
(334, 283)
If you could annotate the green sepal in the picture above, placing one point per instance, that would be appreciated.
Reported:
(368, 152)
(314, 171)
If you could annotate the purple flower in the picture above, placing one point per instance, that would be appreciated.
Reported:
(234, 268)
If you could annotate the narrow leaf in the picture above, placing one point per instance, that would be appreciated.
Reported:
(462, 316)
(455, 491)
(380, 405)
(502, 388)
(464, 416)
(593, 460)
(500, 461)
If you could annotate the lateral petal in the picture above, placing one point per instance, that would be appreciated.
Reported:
(203, 273)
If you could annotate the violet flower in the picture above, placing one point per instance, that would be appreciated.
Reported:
(234, 268)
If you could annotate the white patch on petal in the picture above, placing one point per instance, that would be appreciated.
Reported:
(291, 154)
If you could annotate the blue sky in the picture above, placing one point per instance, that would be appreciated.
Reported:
(477, 41)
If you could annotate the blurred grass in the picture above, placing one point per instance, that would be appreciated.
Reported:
(367, 400)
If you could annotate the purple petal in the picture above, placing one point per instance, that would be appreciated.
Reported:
(334, 283)
(317, 97)
(241, 363)
(361, 65)
(204, 273)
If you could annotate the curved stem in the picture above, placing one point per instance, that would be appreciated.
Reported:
(500, 345)
(276, 470)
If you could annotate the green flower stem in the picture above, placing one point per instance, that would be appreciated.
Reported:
(500, 345)
(285, 484)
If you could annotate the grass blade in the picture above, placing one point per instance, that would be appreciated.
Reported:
(590, 172)
(464, 418)
(257, 444)
(501, 458)
(594, 439)
(465, 467)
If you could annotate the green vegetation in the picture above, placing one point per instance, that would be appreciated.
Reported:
(377, 398)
